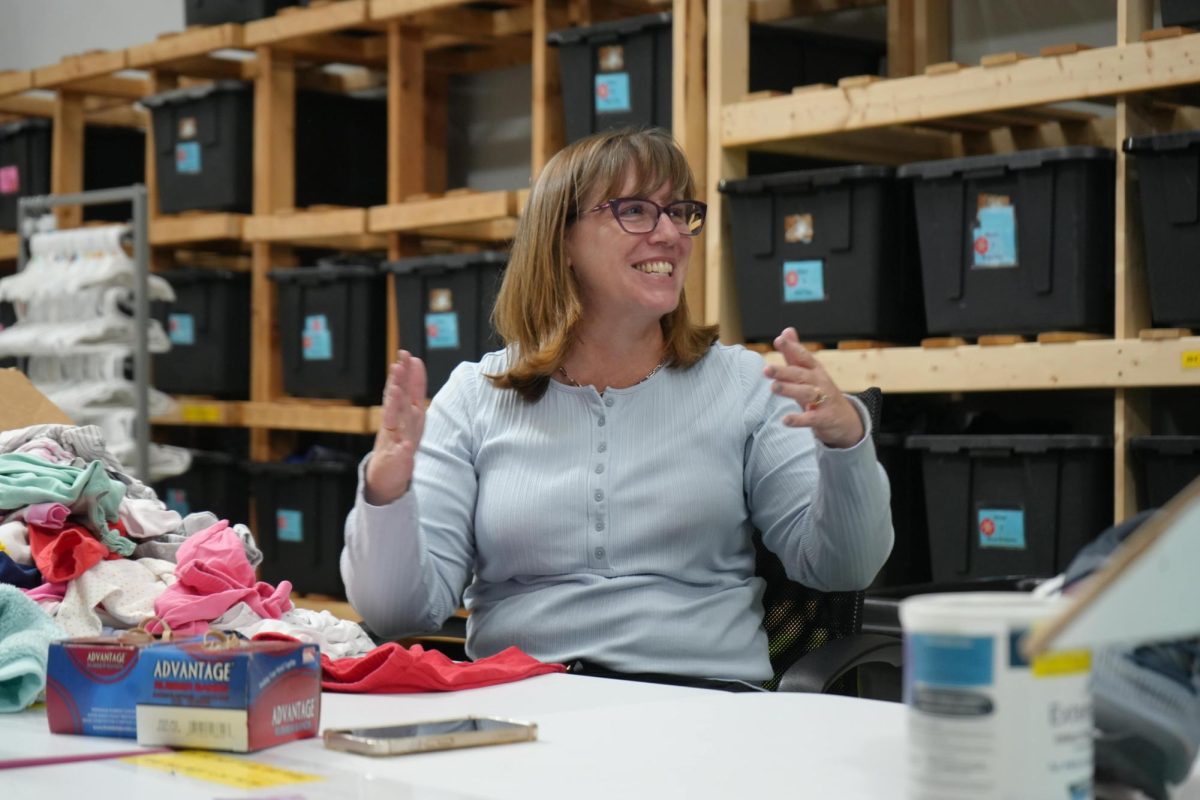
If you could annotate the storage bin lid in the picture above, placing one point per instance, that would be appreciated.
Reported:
(324, 273)
(209, 458)
(23, 125)
(1023, 159)
(446, 262)
(190, 94)
(1180, 140)
(1174, 445)
(293, 469)
(805, 179)
(190, 275)
(609, 31)
(1014, 443)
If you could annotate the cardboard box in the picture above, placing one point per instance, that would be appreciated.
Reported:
(92, 685)
(235, 695)
(24, 405)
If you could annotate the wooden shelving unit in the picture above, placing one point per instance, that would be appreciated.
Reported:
(949, 110)
(9, 242)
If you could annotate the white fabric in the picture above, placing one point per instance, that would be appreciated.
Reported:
(124, 589)
(14, 540)
(338, 638)
(146, 518)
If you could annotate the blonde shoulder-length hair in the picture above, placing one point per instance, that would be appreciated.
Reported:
(539, 307)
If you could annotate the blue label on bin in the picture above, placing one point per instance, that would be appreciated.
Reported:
(612, 93)
(181, 328)
(316, 339)
(177, 501)
(187, 158)
(441, 331)
(949, 660)
(803, 281)
(995, 238)
(1002, 528)
(289, 525)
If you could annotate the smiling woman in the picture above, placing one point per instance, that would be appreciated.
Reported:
(595, 486)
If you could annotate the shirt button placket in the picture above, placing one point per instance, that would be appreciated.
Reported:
(597, 546)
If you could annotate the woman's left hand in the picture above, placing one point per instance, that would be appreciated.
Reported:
(833, 418)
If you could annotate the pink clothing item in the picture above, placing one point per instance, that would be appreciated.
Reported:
(66, 554)
(213, 575)
(48, 591)
(51, 516)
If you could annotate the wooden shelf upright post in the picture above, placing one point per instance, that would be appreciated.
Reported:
(548, 135)
(274, 190)
(66, 155)
(689, 115)
(1131, 409)
(918, 35)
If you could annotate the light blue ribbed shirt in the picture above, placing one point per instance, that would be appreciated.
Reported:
(616, 528)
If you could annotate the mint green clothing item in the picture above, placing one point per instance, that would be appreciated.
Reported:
(88, 491)
(26, 632)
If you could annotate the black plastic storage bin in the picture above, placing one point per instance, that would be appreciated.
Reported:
(204, 147)
(1165, 465)
(828, 251)
(444, 306)
(1168, 168)
(300, 512)
(333, 331)
(1008, 505)
(8, 316)
(204, 137)
(618, 73)
(111, 157)
(209, 328)
(215, 12)
(1179, 12)
(1016, 243)
(216, 482)
(909, 562)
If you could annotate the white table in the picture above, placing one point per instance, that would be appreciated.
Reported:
(597, 738)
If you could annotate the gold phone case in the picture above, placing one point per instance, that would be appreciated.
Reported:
(359, 740)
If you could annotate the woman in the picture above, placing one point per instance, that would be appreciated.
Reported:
(598, 482)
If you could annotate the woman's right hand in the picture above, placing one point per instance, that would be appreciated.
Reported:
(390, 468)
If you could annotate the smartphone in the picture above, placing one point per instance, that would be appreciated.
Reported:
(423, 737)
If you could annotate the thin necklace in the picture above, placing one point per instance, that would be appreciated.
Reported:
(649, 374)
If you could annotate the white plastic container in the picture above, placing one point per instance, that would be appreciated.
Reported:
(983, 722)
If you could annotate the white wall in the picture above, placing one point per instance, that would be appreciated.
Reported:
(34, 33)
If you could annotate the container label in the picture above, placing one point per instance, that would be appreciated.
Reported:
(441, 331)
(803, 281)
(177, 501)
(995, 234)
(10, 179)
(611, 58)
(200, 412)
(612, 93)
(947, 660)
(289, 525)
(1190, 359)
(187, 158)
(181, 329)
(316, 339)
(441, 300)
(187, 128)
(798, 228)
(1002, 528)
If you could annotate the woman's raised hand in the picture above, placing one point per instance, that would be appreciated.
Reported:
(824, 408)
(390, 468)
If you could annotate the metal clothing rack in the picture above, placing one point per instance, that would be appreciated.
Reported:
(135, 195)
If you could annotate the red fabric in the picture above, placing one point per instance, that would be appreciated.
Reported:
(63, 555)
(393, 669)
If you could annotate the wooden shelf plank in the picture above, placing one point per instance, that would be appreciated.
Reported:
(9, 242)
(306, 22)
(15, 81)
(187, 45)
(203, 411)
(442, 211)
(188, 228)
(390, 9)
(301, 416)
(305, 225)
(1102, 72)
(80, 67)
(1100, 364)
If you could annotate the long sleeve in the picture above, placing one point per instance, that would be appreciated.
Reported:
(405, 564)
(825, 512)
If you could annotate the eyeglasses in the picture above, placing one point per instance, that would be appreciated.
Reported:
(636, 215)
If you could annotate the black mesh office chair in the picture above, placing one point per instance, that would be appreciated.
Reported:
(815, 639)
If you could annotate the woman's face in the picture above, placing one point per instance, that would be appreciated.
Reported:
(635, 276)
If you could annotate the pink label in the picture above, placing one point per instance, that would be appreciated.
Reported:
(10, 179)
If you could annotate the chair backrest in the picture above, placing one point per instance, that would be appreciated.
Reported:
(798, 619)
